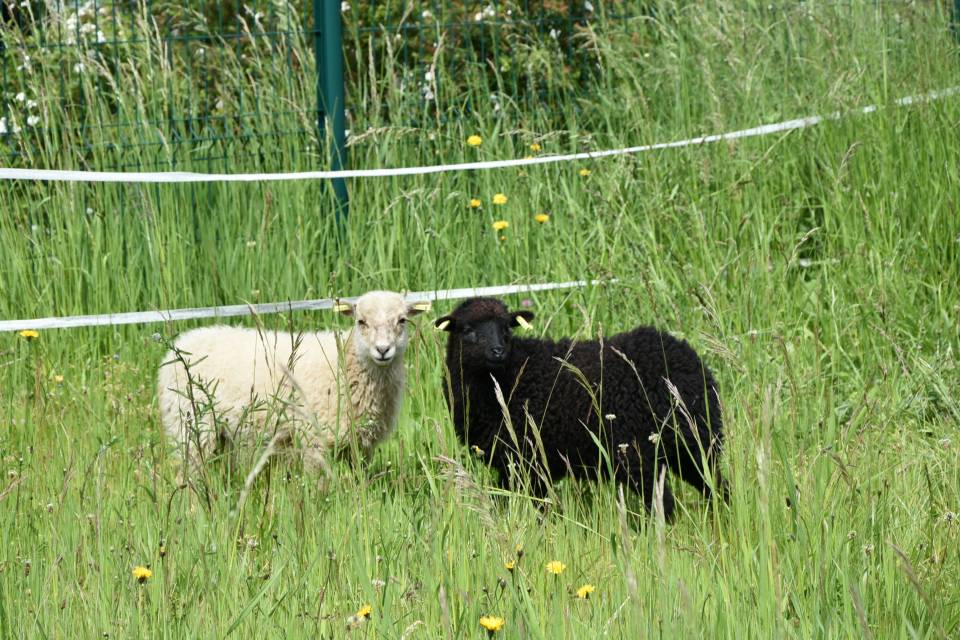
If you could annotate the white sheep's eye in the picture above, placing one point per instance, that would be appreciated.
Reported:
(362, 323)
(402, 321)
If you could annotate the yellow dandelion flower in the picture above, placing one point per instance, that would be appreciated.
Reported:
(477, 450)
(142, 574)
(499, 198)
(503, 238)
(474, 141)
(364, 611)
(510, 566)
(491, 623)
(584, 592)
(541, 217)
(58, 378)
(584, 172)
(519, 550)
(29, 334)
(500, 225)
(475, 203)
(535, 147)
(556, 567)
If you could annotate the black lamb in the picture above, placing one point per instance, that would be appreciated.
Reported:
(613, 391)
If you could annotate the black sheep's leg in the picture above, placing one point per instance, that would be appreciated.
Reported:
(640, 474)
(687, 452)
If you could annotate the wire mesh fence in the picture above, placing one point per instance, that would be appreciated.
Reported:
(214, 85)
(124, 84)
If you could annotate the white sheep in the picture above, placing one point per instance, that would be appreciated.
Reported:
(221, 384)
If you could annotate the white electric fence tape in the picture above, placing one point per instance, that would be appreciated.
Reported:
(140, 317)
(143, 317)
(183, 176)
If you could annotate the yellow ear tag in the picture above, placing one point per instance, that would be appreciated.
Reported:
(523, 322)
(340, 307)
(422, 306)
(443, 325)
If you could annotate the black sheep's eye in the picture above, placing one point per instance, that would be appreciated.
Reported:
(470, 335)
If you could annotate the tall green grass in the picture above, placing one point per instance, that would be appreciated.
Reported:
(815, 272)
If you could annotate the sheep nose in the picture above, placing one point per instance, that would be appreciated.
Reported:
(382, 350)
(498, 353)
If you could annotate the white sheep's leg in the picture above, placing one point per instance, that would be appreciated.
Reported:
(195, 441)
(315, 450)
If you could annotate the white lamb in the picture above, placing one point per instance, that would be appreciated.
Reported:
(241, 383)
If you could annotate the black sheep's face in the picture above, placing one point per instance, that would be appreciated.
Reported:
(484, 340)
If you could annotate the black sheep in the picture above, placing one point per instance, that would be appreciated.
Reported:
(628, 409)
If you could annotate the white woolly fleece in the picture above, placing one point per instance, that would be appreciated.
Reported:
(332, 403)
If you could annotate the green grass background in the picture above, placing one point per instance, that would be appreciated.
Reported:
(815, 271)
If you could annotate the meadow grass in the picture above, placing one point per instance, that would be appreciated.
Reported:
(814, 271)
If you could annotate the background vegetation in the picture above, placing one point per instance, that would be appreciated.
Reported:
(815, 271)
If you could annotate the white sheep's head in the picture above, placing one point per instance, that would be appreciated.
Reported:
(380, 325)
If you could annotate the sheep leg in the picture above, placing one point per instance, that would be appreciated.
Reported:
(196, 441)
(639, 473)
(689, 454)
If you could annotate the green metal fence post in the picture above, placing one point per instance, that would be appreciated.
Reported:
(955, 19)
(328, 46)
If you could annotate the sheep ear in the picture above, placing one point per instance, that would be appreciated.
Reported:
(446, 323)
(522, 319)
(418, 307)
(343, 307)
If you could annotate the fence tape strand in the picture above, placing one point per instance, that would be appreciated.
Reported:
(57, 175)
(145, 317)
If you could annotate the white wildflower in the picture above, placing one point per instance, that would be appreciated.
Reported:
(101, 38)
(588, 6)
(654, 438)
(20, 97)
(554, 34)
(3, 126)
(344, 7)
(426, 15)
(610, 416)
(219, 105)
(33, 121)
(428, 76)
(78, 68)
(31, 104)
